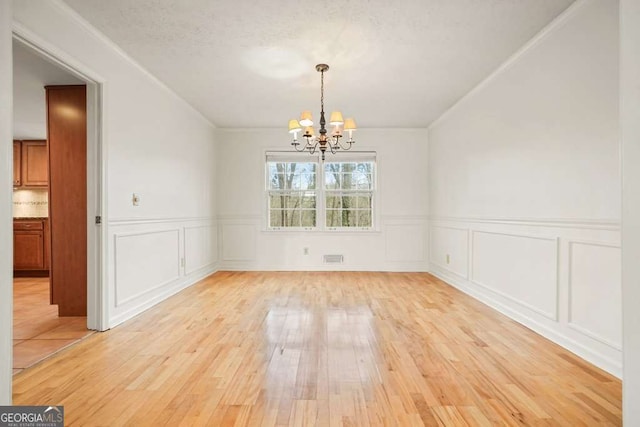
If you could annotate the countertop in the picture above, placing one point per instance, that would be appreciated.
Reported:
(30, 217)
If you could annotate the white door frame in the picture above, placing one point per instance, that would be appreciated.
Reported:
(97, 297)
(6, 214)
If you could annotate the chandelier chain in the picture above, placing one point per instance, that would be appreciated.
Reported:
(322, 91)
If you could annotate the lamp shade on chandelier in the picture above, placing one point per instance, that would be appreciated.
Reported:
(323, 141)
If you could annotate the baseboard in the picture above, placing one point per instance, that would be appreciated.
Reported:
(180, 285)
(606, 363)
(392, 268)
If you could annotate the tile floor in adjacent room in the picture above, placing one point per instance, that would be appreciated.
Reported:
(38, 332)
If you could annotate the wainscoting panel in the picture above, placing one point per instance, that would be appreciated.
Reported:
(151, 259)
(200, 247)
(405, 243)
(595, 294)
(145, 262)
(238, 242)
(400, 244)
(521, 268)
(449, 249)
(559, 277)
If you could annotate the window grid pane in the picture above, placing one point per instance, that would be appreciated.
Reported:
(349, 194)
(291, 197)
(349, 209)
(293, 200)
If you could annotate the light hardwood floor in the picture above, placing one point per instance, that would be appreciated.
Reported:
(315, 348)
(38, 332)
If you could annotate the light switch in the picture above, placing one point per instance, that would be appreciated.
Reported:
(135, 199)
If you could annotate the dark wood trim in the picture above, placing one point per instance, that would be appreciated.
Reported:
(63, 87)
(30, 273)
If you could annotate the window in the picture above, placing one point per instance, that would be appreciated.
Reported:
(309, 194)
(292, 194)
(348, 190)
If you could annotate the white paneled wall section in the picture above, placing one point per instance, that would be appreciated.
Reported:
(398, 244)
(525, 187)
(153, 259)
(562, 280)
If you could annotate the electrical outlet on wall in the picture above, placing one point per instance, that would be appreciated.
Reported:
(135, 199)
(448, 259)
(305, 251)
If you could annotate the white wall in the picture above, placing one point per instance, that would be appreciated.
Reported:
(155, 146)
(400, 243)
(630, 133)
(524, 186)
(31, 74)
(6, 215)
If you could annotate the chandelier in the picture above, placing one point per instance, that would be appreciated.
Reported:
(322, 142)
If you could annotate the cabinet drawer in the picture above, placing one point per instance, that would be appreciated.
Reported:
(28, 225)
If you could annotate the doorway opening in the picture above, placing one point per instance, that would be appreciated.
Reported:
(58, 288)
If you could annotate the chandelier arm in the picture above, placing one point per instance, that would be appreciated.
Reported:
(312, 147)
(334, 149)
(348, 147)
(297, 144)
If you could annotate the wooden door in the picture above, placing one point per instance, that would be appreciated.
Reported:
(67, 137)
(17, 163)
(35, 168)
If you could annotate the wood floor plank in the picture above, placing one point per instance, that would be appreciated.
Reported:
(325, 349)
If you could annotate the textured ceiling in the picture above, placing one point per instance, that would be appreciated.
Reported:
(252, 64)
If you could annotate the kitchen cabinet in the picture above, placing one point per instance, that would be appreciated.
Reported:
(30, 164)
(17, 163)
(35, 164)
(31, 247)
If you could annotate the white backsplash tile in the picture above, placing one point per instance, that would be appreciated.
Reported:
(30, 203)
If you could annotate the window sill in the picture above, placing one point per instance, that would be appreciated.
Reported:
(340, 231)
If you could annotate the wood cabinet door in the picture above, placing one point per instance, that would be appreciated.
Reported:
(17, 163)
(35, 164)
(28, 249)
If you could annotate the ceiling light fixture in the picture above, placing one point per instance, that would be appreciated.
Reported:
(322, 142)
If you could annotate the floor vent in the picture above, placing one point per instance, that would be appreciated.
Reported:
(333, 259)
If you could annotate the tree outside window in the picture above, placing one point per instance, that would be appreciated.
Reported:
(311, 194)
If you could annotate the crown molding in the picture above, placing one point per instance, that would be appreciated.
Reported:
(66, 10)
(541, 36)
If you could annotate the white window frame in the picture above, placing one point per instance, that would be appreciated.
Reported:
(320, 191)
(288, 157)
